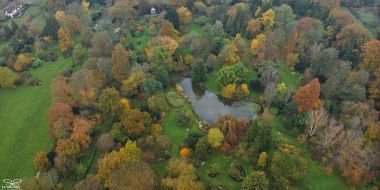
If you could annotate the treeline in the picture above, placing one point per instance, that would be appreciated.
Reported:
(335, 112)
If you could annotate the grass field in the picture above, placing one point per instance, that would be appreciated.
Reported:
(23, 122)
(315, 177)
(366, 20)
(177, 134)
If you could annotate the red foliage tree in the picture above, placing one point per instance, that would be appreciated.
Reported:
(307, 96)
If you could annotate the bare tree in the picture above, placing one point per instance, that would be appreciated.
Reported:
(316, 120)
(331, 134)
(270, 75)
(270, 93)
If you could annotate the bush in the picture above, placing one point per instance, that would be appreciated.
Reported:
(183, 118)
(237, 172)
(214, 170)
(49, 56)
(7, 77)
(37, 63)
(175, 100)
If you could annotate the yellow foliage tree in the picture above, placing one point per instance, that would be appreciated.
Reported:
(245, 89)
(262, 161)
(135, 79)
(229, 54)
(7, 77)
(167, 29)
(258, 44)
(184, 15)
(156, 130)
(112, 160)
(85, 4)
(65, 43)
(189, 59)
(125, 104)
(215, 137)
(60, 16)
(228, 91)
(23, 61)
(292, 59)
(268, 19)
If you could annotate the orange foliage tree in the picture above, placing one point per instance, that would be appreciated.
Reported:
(120, 63)
(58, 111)
(81, 132)
(65, 43)
(41, 161)
(307, 96)
(184, 152)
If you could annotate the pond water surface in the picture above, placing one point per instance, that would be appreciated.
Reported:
(208, 106)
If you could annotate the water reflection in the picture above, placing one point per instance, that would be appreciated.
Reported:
(208, 106)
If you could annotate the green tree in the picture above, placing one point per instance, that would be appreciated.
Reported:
(286, 168)
(157, 104)
(202, 149)
(152, 86)
(199, 71)
(173, 17)
(234, 74)
(109, 102)
(51, 28)
(255, 181)
(8, 32)
(260, 135)
(161, 73)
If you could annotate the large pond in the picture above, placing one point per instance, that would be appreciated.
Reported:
(208, 106)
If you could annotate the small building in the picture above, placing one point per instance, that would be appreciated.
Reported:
(153, 11)
(14, 9)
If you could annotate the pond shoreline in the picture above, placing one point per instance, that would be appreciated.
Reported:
(208, 106)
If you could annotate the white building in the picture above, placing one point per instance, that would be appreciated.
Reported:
(12, 10)
(153, 11)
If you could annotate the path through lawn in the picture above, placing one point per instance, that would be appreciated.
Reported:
(23, 122)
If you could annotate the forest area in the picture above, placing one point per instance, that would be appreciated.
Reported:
(190, 94)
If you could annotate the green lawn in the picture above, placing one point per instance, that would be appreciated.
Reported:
(291, 79)
(225, 165)
(177, 134)
(139, 42)
(23, 122)
(315, 177)
(195, 28)
(364, 20)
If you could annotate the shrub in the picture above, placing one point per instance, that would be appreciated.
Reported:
(183, 118)
(49, 56)
(175, 100)
(214, 170)
(228, 91)
(237, 172)
(37, 63)
(184, 152)
(7, 77)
